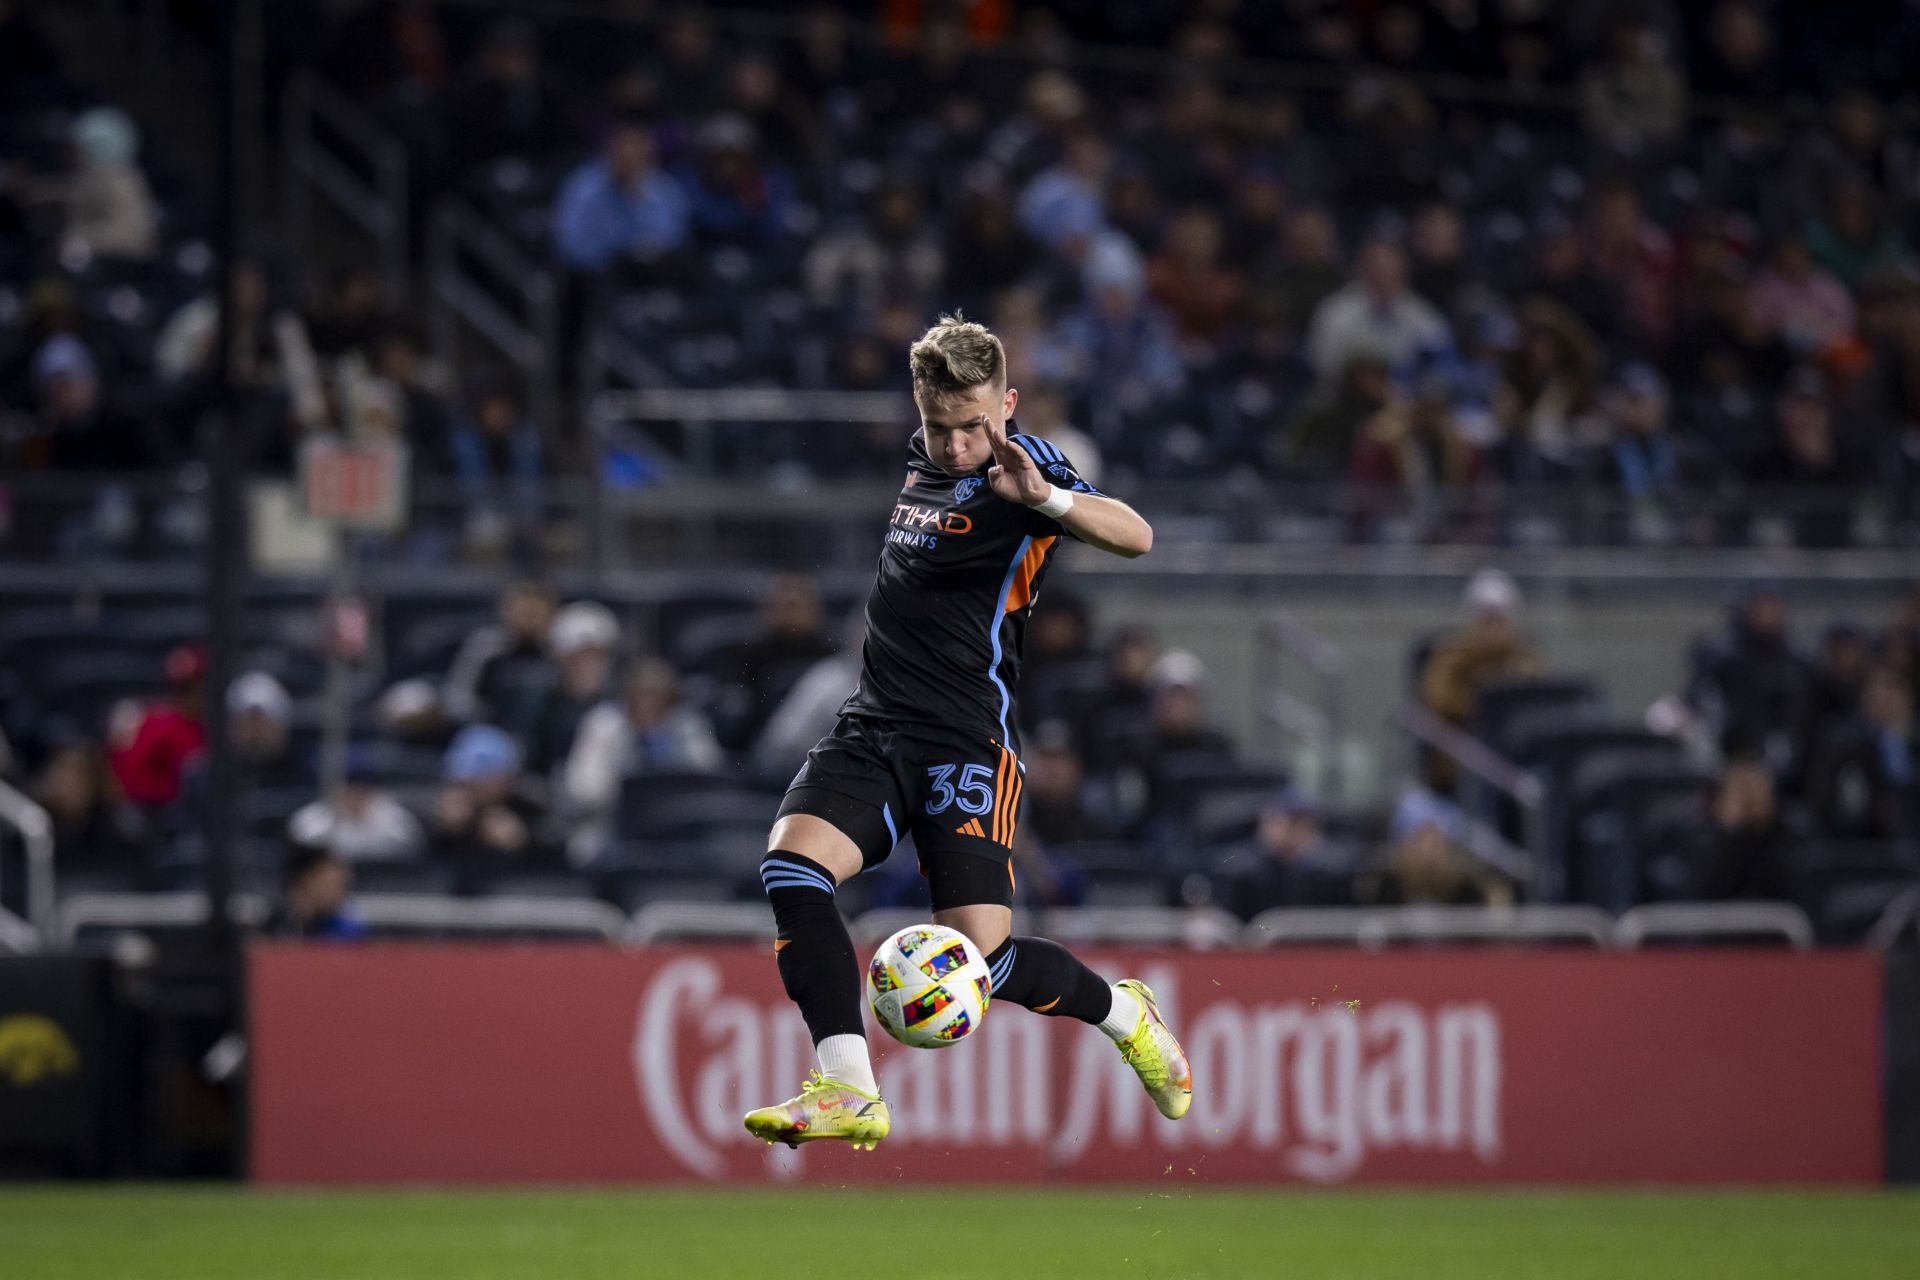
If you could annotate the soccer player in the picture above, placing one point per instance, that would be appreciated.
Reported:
(927, 745)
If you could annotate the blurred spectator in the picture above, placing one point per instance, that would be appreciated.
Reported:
(1119, 703)
(1807, 307)
(1058, 668)
(507, 107)
(584, 642)
(648, 731)
(358, 821)
(1319, 439)
(503, 661)
(1067, 201)
(259, 720)
(1835, 681)
(1635, 96)
(1306, 268)
(1489, 648)
(783, 121)
(76, 428)
(991, 249)
(28, 58)
(110, 209)
(1752, 686)
(401, 360)
(1055, 795)
(1852, 236)
(1189, 281)
(689, 77)
(1177, 737)
(1807, 467)
(150, 752)
(1750, 839)
(1564, 273)
(812, 706)
(1045, 875)
(620, 204)
(90, 827)
(1438, 248)
(267, 766)
(1866, 775)
(888, 254)
(737, 197)
(1740, 57)
(790, 638)
(1643, 456)
(1626, 247)
(185, 347)
(1289, 862)
(348, 314)
(1414, 452)
(1548, 400)
(496, 455)
(1427, 864)
(1376, 315)
(318, 885)
(1900, 646)
(1118, 339)
(486, 808)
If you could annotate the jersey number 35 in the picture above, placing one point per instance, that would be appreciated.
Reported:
(973, 793)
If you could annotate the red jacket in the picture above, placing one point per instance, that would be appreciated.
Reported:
(149, 765)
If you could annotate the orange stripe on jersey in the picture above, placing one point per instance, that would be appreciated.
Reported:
(1000, 796)
(1020, 595)
(1013, 802)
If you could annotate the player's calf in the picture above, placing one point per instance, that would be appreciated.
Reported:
(1045, 977)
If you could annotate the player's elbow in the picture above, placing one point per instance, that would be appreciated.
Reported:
(1137, 542)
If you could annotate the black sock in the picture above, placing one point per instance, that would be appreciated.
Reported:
(813, 949)
(1046, 978)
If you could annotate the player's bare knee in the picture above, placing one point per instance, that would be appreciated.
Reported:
(817, 840)
(987, 924)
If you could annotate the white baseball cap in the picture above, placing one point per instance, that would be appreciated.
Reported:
(582, 625)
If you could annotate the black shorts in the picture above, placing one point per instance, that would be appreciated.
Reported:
(957, 795)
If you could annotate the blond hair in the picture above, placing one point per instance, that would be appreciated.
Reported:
(954, 357)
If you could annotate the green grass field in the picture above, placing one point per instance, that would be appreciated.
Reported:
(223, 1233)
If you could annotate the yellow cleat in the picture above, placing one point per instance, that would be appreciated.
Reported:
(824, 1109)
(1156, 1057)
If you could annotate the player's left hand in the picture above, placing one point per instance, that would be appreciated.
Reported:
(1014, 475)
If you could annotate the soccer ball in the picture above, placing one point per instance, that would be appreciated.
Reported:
(928, 986)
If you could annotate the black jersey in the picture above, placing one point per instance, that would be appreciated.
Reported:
(958, 575)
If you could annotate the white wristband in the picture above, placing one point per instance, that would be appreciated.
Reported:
(1059, 502)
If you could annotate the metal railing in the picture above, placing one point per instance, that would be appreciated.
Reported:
(1203, 529)
(1531, 865)
(134, 912)
(428, 913)
(1375, 927)
(35, 830)
(697, 922)
(1201, 927)
(1319, 719)
(1901, 915)
(478, 277)
(335, 151)
(1700, 921)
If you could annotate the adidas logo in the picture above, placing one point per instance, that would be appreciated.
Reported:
(971, 827)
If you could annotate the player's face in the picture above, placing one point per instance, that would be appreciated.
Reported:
(956, 430)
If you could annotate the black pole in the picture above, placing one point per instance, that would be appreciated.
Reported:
(225, 557)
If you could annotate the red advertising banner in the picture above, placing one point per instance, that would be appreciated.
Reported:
(491, 1063)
